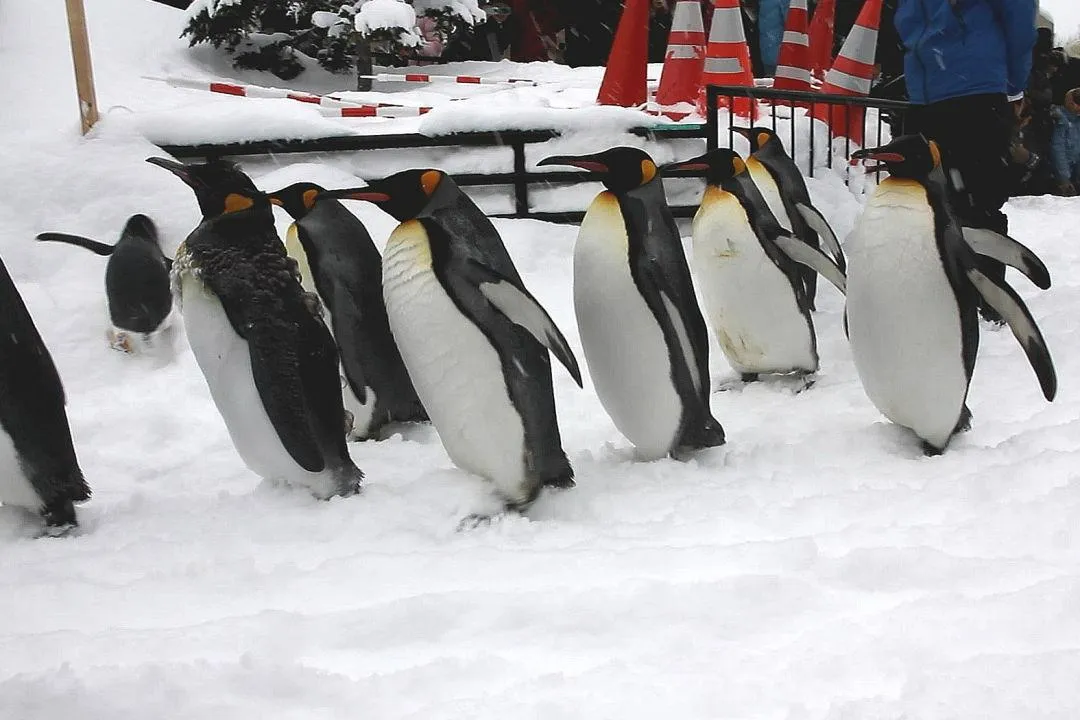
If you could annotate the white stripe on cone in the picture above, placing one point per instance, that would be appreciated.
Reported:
(683, 52)
(685, 19)
(861, 44)
(793, 73)
(840, 79)
(796, 38)
(726, 26)
(723, 66)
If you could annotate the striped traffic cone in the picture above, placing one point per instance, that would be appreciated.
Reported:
(852, 74)
(684, 61)
(727, 58)
(626, 75)
(793, 66)
(821, 38)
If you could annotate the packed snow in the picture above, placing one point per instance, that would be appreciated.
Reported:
(817, 567)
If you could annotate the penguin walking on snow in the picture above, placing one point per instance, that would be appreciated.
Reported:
(645, 341)
(136, 282)
(259, 339)
(752, 287)
(38, 467)
(913, 290)
(784, 190)
(338, 260)
(474, 340)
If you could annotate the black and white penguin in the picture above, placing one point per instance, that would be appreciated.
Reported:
(471, 335)
(753, 289)
(338, 261)
(784, 189)
(912, 294)
(136, 283)
(645, 340)
(38, 467)
(259, 339)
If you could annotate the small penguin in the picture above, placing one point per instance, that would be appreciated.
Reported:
(753, 289)
(474, 340)
(645, 340)
(338, 260)
(784, 189)
(38, 467)
(913, 290)
(136, 282)
(259, 339)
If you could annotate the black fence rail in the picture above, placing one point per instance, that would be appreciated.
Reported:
(520, 178)
(890, 112)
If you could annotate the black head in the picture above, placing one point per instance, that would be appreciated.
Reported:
(403, 195)
(215, 183)
(297, 199)
(141, 227)
(909, 156)
(759, 137)
(621, 169)
(719, 165)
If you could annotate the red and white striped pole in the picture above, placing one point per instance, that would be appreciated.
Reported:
(457, 79)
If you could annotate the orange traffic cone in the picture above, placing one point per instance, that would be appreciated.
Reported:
(852, 74)
(684, 61)
(793, 66)
(821, 38)
(727, 57)
(625, 76)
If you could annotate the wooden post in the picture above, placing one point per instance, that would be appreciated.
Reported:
(84, 72)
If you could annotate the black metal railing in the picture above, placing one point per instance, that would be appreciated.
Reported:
(888, 110)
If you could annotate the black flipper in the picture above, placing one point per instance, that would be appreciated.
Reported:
(812, 258)
(1005, 300)
(92, 245)
(1006, 250)
(820, 225)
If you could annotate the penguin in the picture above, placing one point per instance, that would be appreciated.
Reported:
(259, 339)
(38, 467)
(339, 261)
(784, 189)
(913, 290)
(753, 289)
(645, 340)
(473, 338)
(136, 282)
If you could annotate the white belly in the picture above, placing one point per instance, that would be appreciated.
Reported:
(15, 488)
(457, 373)
(624, 345)
(903, 317)
(225, 361)
(769, 191)
(750, 303)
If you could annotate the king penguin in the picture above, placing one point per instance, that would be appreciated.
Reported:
(784, 189)
(753, 290)
(38, 467)
(645, 340)
(471, 335)
(259, 339)
(338, 260)
(136, 282)
(913, 290)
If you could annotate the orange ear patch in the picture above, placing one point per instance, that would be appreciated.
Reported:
(762, 138)
(738, 166)
(309, 198)
(935, 152)
(648, 171)
(429, 181)
(235, 202)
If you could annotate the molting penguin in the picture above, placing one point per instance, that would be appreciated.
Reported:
(338, 260)
(38, 467)
(913, 289)
(471, 335)
(136, 282)
(645, 341)
(784, 189)
(753, 289)
(259, 339)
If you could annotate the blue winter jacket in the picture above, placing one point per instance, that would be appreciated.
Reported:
(965, 47)
(1065, 144)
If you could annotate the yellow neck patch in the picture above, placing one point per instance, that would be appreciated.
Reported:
(235, 202)
(648, 171)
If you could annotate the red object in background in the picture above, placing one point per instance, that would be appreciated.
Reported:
(793, 66)
(852, 74)
(821, 37)
(680, 79)
(625, 76)
(535, 26)
(727, 58)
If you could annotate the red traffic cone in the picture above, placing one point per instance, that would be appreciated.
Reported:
(793, 66)
(625, 76)
(821, 38)
(727, 57)
(684, 61)
(852, 74)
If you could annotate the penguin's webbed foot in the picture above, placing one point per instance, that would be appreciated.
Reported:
(964, 423)
(473, 521)
(806, 380)
(930, 450)
(59, 517)
(561, 482)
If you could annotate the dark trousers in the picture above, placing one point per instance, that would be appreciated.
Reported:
(973, 133)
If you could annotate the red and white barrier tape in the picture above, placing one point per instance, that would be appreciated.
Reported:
(458, 79)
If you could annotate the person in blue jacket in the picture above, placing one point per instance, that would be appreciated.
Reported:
(1065, 145)
(965, 61)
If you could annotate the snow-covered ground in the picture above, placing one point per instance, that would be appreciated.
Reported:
(818, 567)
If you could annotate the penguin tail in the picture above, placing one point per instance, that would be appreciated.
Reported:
(92, 245)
